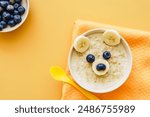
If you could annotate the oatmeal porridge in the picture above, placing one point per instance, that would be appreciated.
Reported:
(101, 64)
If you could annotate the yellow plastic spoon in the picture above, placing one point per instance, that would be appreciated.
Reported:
(59, 74)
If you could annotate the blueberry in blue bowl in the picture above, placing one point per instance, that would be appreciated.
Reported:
(12, 14)
(11, 23)
(4, 24)
(1, 27)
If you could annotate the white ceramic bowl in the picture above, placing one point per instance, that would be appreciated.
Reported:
(25, 3)
(116, 84)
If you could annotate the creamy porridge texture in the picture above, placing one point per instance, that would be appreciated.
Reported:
(118, 63)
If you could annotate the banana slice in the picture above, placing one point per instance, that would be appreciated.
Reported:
(102, 69)
(111, 37)
(81, 44)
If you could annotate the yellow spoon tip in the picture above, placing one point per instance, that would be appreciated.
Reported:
(57, 73)
(53, 70)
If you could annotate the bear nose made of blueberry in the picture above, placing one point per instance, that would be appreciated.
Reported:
(99, 66)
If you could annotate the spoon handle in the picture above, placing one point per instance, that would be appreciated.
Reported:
(86, 93)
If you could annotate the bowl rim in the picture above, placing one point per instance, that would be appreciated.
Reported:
(18, 25)
(121, 82)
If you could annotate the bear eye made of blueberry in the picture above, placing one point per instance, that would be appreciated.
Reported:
(90, 58)
(106, 55)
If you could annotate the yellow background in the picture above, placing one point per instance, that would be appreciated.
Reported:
(44, 39)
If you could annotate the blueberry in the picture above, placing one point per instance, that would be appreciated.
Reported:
(1, 27)
(1, 9)
(100, 67)
(10, 8)
(17, 19)
(12, 17)
(0, 17)
(16, 5)
(16, 12)
(11, 23)
(4, 24)
(90, 58)
(6, 16)
(4, 4)
(18, 1)
(106, 55)
(4, 13)
(21, 10)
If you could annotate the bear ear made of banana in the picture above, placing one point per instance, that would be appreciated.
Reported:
(110, 37)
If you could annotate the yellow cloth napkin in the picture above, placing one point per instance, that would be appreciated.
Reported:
(138, 84)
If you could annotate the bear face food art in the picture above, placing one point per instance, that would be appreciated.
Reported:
(98, 59)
